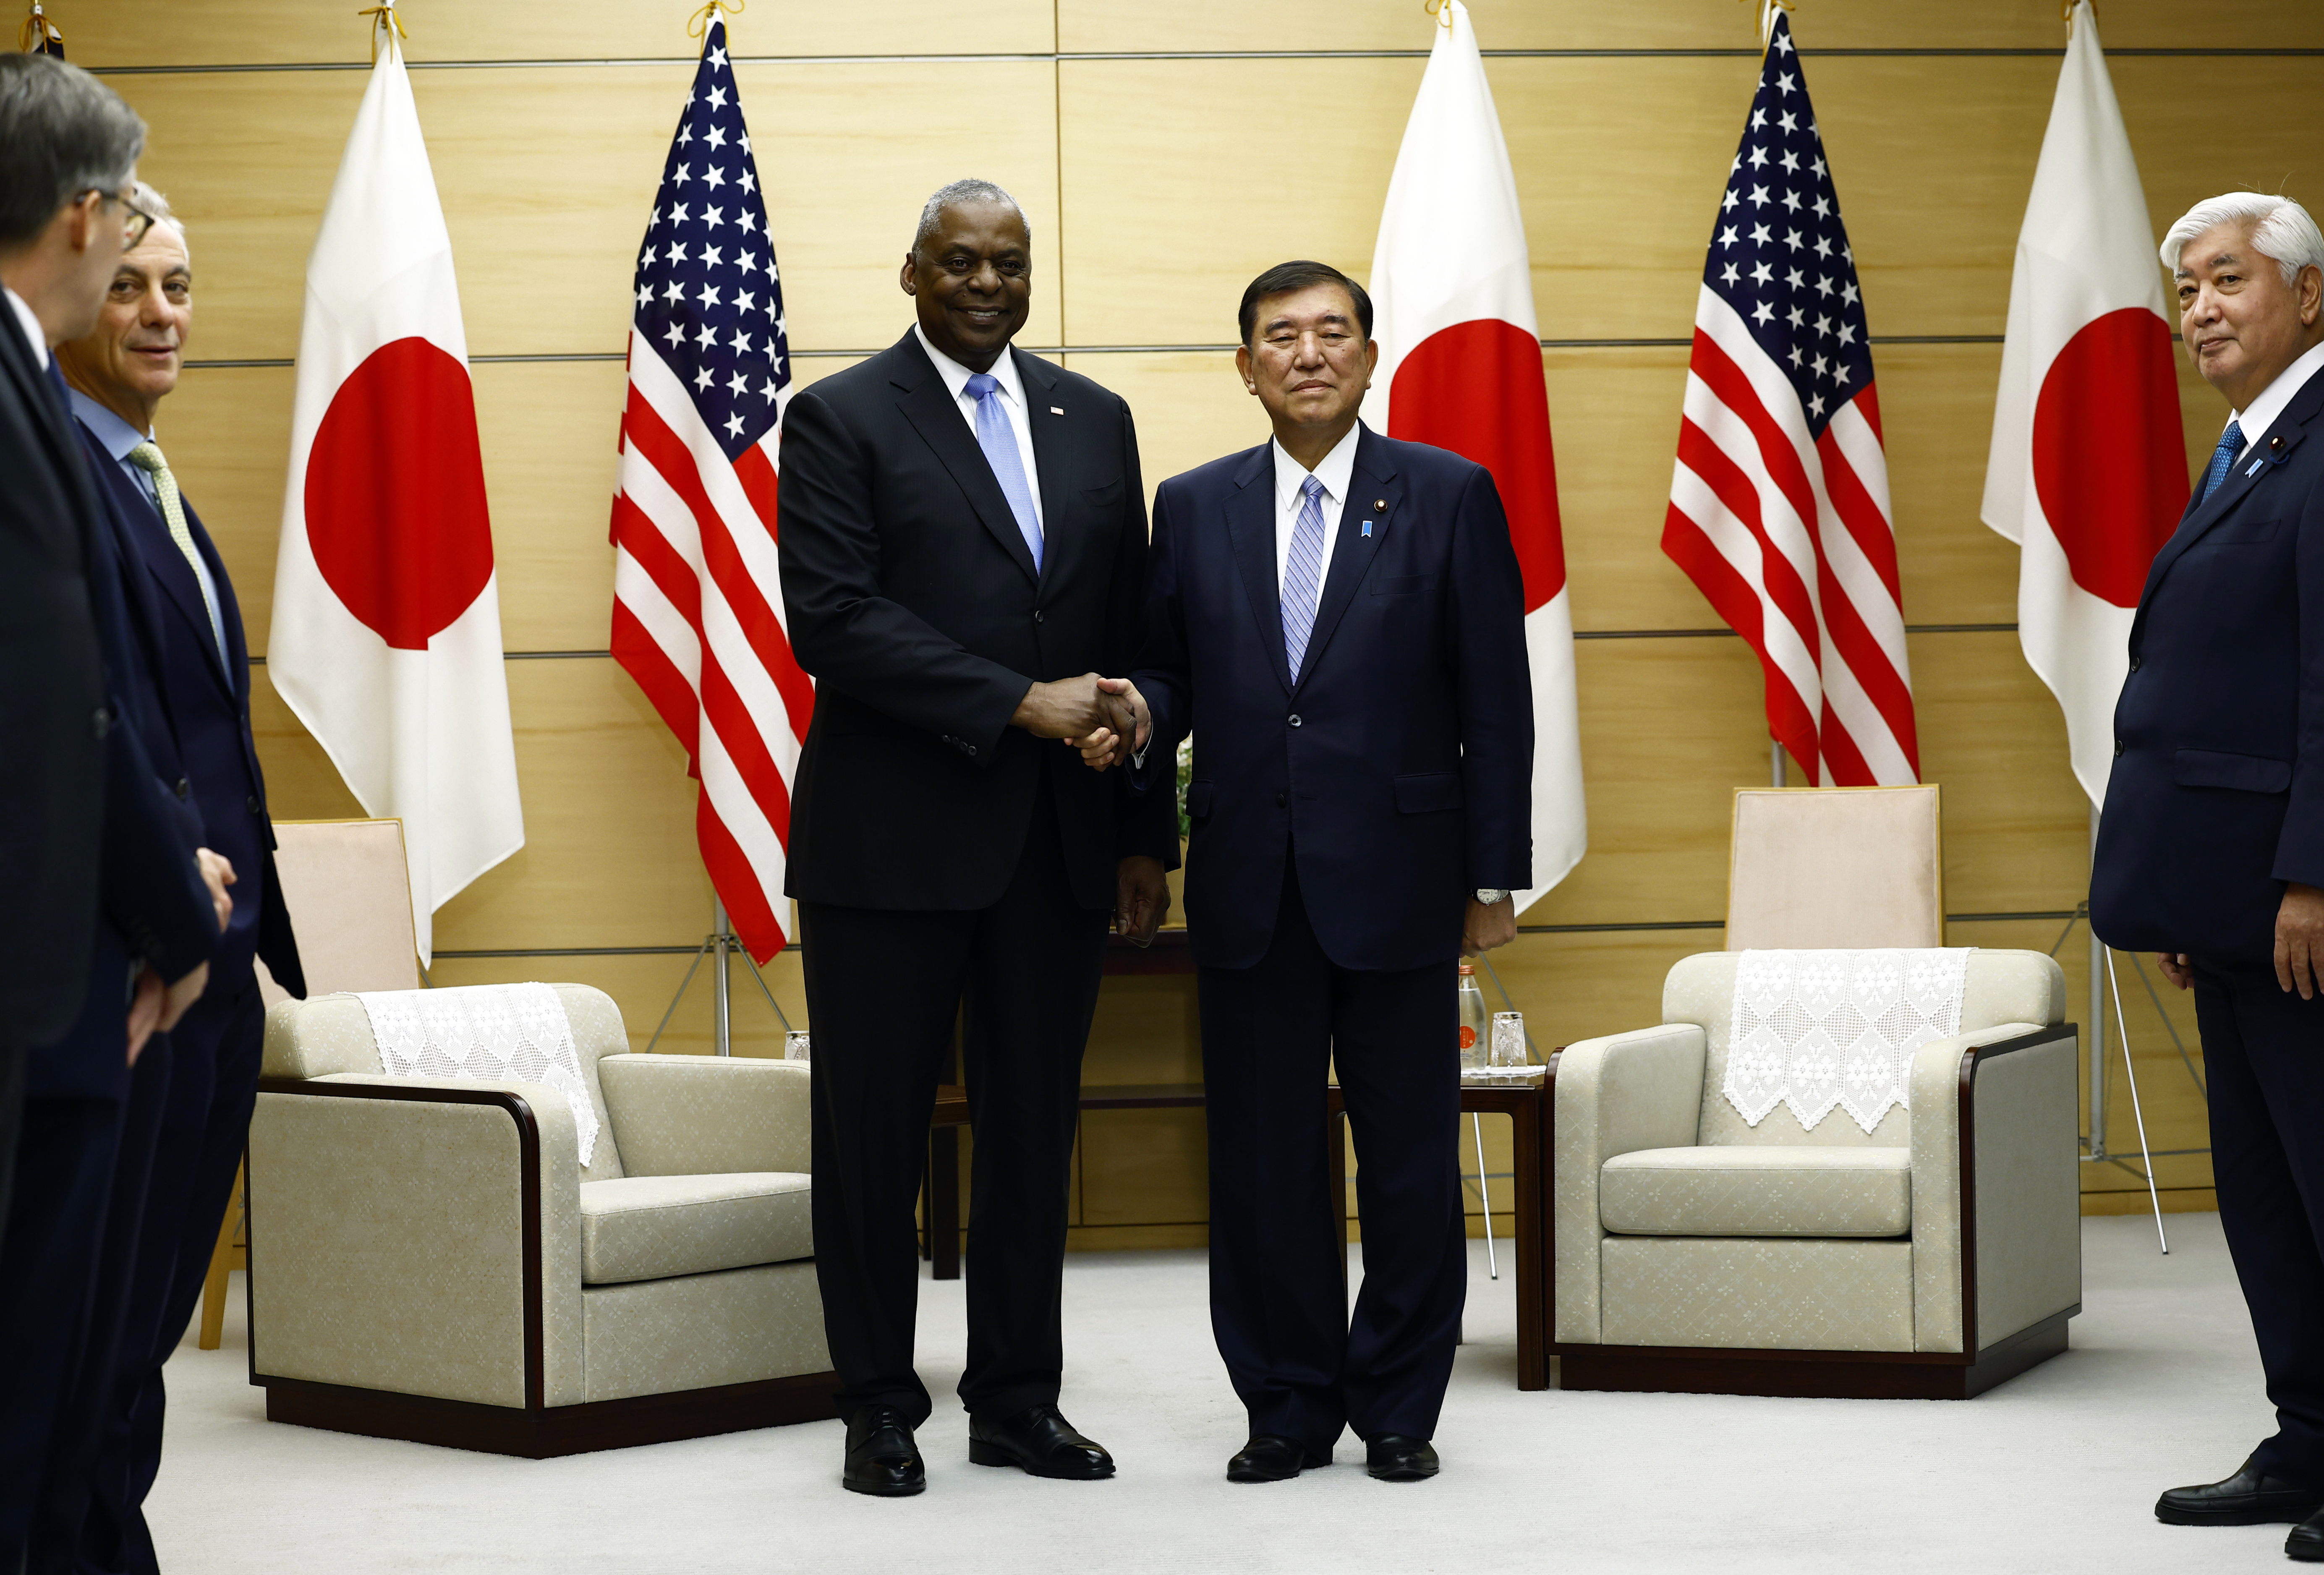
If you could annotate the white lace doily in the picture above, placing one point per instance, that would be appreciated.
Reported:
(491, 1033)
(1816, 1029)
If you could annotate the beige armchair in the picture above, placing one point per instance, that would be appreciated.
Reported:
(1932, 1258)
(430, 1260)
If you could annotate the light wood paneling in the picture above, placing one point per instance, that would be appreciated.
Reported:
(546, 176)
(1688, 24)
(102, 33)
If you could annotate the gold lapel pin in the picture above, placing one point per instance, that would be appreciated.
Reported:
(1380, 505)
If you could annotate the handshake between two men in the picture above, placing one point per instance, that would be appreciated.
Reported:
(1107, 721)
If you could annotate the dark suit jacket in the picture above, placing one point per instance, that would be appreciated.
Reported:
(52, 703)
(911, 597)
(1399, 767)
(2217, 796)
(205, 703)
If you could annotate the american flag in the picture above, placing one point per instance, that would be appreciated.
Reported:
(1779, 502)
(697, 611)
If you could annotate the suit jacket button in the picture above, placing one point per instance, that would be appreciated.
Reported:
(183, 787)
(1295, 719)
(2133, 664)
(99, 722)
(1036, 616)
(251, 804)
(1281, 799)
(2117, 749)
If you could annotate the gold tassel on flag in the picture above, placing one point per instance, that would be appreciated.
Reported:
(39, 35)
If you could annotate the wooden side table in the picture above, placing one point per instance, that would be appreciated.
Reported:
(1528, 1107)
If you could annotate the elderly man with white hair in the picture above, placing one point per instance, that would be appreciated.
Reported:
(2211, 849)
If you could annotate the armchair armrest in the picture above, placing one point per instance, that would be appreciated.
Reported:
(419, 1235)
(1610, 1096)
(1996, 1212)
(706, 1115)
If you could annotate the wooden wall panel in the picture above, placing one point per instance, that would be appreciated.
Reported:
(1682, 25)
(136, 33)
(547, 202)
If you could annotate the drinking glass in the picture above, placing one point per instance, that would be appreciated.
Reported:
(1508, 1046)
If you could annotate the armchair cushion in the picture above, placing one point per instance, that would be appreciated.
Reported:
(655, 1226)
(1734, 1190)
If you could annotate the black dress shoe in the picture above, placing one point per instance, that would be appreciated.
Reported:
(881, 1457)
(1268, 1457)
(2245, 1498)
(1039, 1441)
(1394, 1457)
(2306, 1543)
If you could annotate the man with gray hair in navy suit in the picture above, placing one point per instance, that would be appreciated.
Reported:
(2211, 847)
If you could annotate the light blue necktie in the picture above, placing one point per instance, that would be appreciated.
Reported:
(997, 438)
(2231, 442)
(1301, 575)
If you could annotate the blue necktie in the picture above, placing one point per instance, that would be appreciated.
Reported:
(997, 438)
(2231, 442)
(1301, 575)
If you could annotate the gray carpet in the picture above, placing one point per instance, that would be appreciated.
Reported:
(2055, 1470)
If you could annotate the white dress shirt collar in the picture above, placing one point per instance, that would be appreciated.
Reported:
(2263, 412)
(956, 376)
(1335, 470)
(31, 325)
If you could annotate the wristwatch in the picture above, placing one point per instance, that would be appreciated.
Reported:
(1489, 895)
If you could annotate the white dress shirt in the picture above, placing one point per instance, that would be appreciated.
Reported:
(2263, 412)
(119, 437)
(1011, 394)
(1337, 469)
(31, 325)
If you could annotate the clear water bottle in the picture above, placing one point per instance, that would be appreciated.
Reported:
(1474, 1021)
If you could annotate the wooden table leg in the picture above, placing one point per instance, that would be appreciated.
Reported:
(1336, 1149)
(1526, 1155)
(943, 1202)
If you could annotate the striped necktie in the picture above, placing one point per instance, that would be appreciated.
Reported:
(1303, 574)
(2231, 442)
(147, 458)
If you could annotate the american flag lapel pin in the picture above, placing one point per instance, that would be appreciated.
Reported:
(1056, 409)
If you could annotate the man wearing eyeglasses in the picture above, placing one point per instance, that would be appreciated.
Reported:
(111, 918)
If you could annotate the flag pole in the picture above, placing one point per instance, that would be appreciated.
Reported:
(2095, 1045)
(722, 1010)
(1775, 762)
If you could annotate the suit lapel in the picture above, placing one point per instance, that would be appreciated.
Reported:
(2241, 481)
(237, 653)
(929, 405)
(157, 551)
(1050, 458)
(1250, 531)
(1372, 481)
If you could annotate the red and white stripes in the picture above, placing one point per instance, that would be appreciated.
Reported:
(698, 622)
(1791, 538)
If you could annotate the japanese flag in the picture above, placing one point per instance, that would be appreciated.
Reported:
(2088, 467)
(1460, 358)
(386, 641)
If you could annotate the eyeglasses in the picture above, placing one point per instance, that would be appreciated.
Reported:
(133, 227)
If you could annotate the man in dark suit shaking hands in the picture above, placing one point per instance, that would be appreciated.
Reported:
(2210, 850)
(963, 541)
(1338, 617)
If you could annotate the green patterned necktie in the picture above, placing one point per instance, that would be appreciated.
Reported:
(147, 458)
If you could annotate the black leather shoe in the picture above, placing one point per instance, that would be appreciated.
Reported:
(1394, 1457)
(1039, 1441)
(881, 1457)
(2306, 1543)
(2245, 1498)
(1268, 1457)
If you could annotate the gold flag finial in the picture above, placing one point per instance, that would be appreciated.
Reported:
(700, 22)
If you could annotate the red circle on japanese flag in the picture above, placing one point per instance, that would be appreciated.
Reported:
(1476, 388)
(2109, 460)
(395, 495)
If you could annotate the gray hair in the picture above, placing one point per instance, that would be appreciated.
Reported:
(155, 203)
(2281, 229)
(65, 133)
(957, 193)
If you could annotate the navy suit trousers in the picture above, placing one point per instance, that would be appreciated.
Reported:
(1271, 1033)
(2264, 1059)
